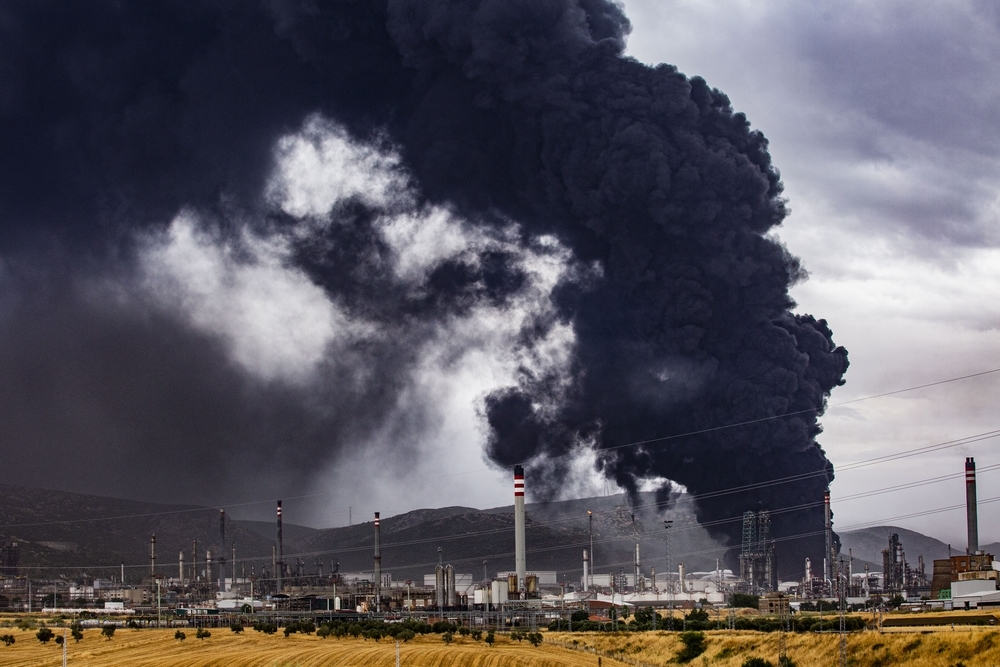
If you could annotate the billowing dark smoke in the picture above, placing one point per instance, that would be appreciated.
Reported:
(115, 116)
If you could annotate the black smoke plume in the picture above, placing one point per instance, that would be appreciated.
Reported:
(116, 115)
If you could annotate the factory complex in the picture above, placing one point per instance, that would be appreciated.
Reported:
(216, 588)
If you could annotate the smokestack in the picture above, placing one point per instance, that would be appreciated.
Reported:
(585, 564)
(636, 570)
(378, 564)
(809, 573)
(680, 578)
(180, 567)
(519, 562)
(208, 567)
(828, 533)
(971, 510)
(152, 555)
(279, 564)
(222, 551)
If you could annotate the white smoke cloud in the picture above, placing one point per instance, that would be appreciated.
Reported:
(278, 324)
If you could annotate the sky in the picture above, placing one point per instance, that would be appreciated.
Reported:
(353, 327)
(884, 120)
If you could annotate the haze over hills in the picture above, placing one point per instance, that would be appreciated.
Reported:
(67, 534)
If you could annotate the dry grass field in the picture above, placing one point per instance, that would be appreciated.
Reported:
(979, 647)
(972, 647)
(158, 648)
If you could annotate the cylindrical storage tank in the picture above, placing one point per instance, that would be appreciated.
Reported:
(512, 584)
(450, 585)
(439, 597)
(531, 584)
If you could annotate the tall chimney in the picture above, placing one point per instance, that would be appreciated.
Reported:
(180, 567)
(378, 564)
(279, 565)
(970, 504)
(222, 551)
(828, 532)
(152, 555)
(208, 567)
(585, 564)
(519, 561)
(194, 561)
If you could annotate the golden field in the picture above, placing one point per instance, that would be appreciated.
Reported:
(978, 647)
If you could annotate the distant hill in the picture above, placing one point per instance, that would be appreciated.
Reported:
(71, 533)
(867, 545)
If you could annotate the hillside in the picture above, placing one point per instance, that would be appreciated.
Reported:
(70, 533)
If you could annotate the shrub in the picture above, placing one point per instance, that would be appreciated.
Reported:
(60, 639)
(447, 637)
(180, 636)
(236, 628)
(7, 639)
(754, 661)
(477, 634)
(744, 600)
(694, 645)
(535, 638)
(108, 631)
(202, 634)
(490, 638)
(406, 635)
(44, 635)
(464, 631)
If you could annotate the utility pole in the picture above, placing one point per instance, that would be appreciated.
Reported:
(843, 613)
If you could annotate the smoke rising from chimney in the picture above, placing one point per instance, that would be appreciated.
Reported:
(616, 218)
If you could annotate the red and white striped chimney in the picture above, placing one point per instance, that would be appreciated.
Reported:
(519, 559)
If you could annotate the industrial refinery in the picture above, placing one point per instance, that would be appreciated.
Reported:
(214, 586)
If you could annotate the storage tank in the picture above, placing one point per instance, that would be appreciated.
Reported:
(449, 584)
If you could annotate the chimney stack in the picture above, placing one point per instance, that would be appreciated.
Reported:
(180, 568)
(828, 532)
(519, 560)
(279, 565)
(378, 564)
(970, 504)
(222, 551)
(152, 555)
(585, 564)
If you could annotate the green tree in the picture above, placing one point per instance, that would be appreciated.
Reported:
(108, 631)
(581, 615)
(7, 639)
(490, 638)
(464, 631)
(477, 634)
(535, 638)
(202, 634)
(447, 637)
(180, 636)
(236, 628)
(44, 635)
(694, 645)
(60, 639)
(755, 661)
(406, 635)
(76, 634)
(698, 615)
